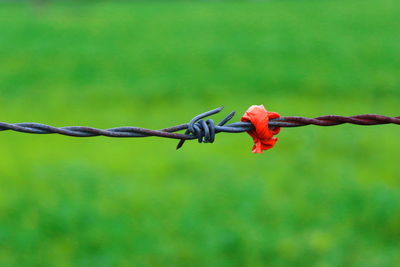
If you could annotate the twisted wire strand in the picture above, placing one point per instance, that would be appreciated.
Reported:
(197, 128)
(332, 120)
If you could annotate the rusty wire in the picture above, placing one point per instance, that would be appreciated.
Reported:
(197, 128)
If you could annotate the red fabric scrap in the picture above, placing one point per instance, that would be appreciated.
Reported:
(262, 135)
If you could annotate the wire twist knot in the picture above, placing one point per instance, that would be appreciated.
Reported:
(204, 131)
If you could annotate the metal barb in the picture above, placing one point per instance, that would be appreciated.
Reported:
(197, 128)
(204, 131)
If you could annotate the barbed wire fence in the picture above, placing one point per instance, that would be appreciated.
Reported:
(202, 130)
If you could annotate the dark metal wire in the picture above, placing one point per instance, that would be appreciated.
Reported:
(197, 128)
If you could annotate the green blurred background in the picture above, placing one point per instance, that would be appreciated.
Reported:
(321, 197)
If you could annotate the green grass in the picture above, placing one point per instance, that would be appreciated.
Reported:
(321, 197)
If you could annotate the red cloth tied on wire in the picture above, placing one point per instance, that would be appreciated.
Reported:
(262, 135)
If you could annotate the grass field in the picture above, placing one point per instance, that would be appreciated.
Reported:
(321, 197)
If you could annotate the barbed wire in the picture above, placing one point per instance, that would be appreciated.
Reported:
(197, 128)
